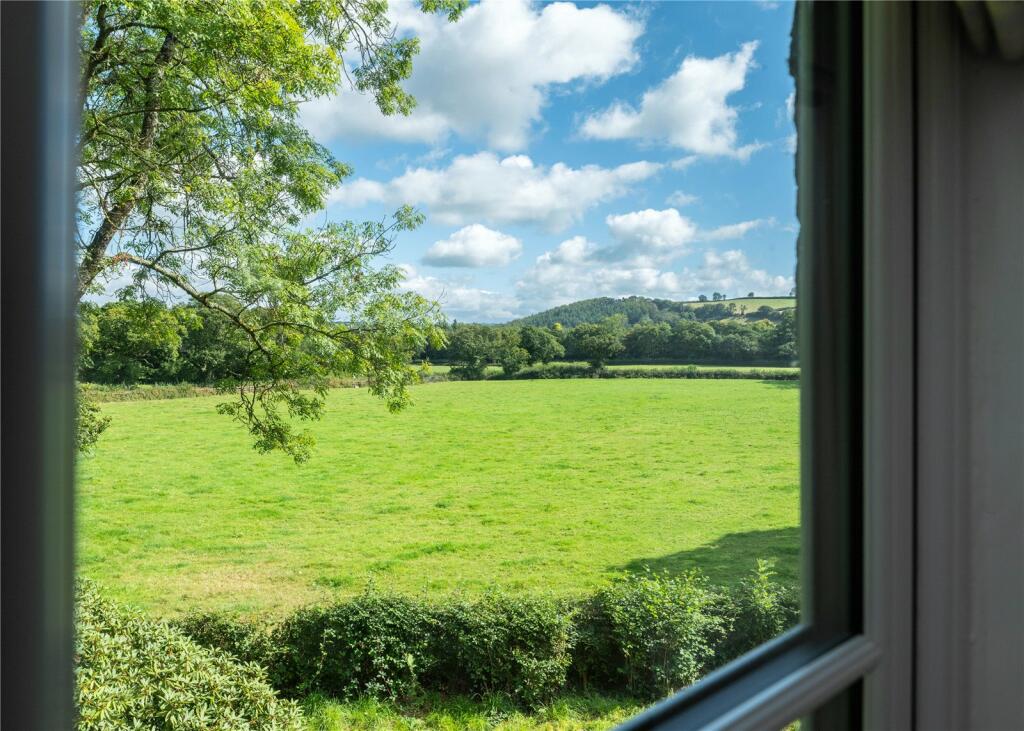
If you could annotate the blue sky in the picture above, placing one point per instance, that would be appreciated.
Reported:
(563, 151)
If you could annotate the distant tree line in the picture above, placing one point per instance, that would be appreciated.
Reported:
(134, 342)
(693, 336)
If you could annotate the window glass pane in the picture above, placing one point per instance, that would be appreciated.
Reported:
(479, 411)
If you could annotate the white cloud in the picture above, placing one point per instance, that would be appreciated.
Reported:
(462, 301)
(558, 279)
(679, 198)
(489, 75)
(482, 187)
(474, 246)
(683, 162)
(648, 235)
(688, 110)
(736, 230)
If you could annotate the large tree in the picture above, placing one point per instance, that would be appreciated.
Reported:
(196, 178)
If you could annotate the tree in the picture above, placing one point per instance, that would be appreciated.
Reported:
(692, 340)
(597, 343)
(648, 340)
(750, 294)
(470, 349)
(541, 345)
(131, 342)
(195, 175)
(702, 298)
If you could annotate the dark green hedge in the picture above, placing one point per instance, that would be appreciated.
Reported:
(584, 371)
(643, 635)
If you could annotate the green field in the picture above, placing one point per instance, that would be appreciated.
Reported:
(530, 485)
(752, 303)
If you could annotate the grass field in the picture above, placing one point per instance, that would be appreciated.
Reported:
(530, 485)
(752, 303)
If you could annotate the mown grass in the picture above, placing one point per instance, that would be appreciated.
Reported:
(550, 486)
(586, 713)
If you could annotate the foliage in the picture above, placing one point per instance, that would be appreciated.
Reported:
(553, 486)
(651, 635)
(195, 174)
(132, 672)
(638, 309)
(514, 645)
(760, 609)
(597, 343)
(541, 344)
(132, 342)
(641, 635)
(470, 349)
(90, 423)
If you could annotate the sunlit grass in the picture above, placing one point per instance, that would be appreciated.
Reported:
(529, 485)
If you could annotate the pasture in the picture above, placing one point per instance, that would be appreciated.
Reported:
(534, 486)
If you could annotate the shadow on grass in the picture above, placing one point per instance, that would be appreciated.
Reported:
(788, 385)
(731, 558)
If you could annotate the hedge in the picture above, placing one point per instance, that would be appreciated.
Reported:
(644, 635)
(132, 672)
(583, 371)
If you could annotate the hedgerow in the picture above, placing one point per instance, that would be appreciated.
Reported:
(644, 635)
(584, 371)
(132, 672)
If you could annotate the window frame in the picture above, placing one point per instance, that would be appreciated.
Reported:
(848, 663)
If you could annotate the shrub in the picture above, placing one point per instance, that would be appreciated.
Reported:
(132, 672)
(757, 611)
(645, 636)
(373, 645)
(245, 641)
(520, 646)
(651, 634)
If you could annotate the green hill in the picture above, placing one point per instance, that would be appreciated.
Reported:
(639, 308)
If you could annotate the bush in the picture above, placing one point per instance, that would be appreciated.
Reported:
(650, 635)
(245, 641)
(645, 636)
(374, 645)
(132, 672)
(519, 646)
(759, 610)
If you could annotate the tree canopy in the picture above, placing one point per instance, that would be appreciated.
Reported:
(196, 178)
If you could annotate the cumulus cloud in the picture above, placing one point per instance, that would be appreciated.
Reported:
(688, 110)
(461, 300)
(557, 279)
(487, 76)
(474, 246)
(649, 235)
(482, 187)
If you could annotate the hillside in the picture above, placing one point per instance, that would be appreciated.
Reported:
(637, 308)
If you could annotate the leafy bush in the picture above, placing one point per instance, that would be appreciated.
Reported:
(374, 645)
(650, 635)
(89, 422)
(244, 640)
(758, 610)
(132, 672)
(645, 636)
(520, 646)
